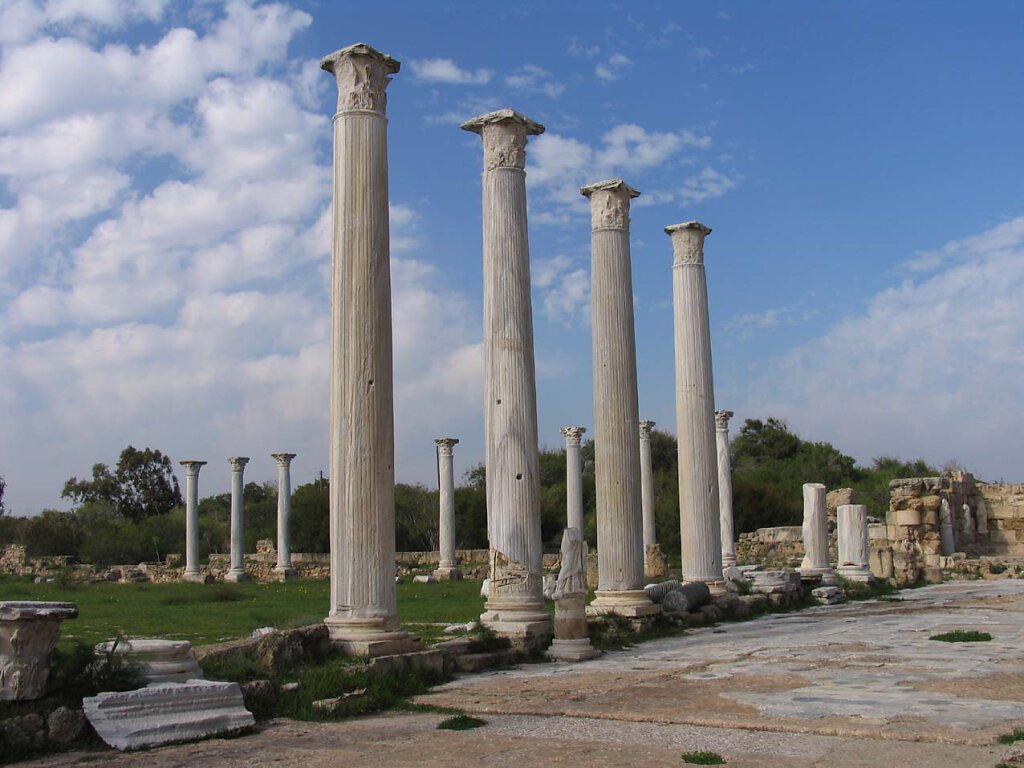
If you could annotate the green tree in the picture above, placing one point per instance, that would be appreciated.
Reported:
(142, 484)
(311, 510)
(53, 533)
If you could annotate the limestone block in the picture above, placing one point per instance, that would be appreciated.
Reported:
(931, 503)
(167, 712)
(906, 517)
(827, 595)
(28, 632)
(932, 561)
(780, 534)
(774, 582)
(877, 532)
(578, 649)
(1003, 536)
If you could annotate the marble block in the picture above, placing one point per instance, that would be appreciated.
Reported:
(159, 660)
(28, 632)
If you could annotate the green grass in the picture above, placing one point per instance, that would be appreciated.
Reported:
(211, 613)
(461, 723)
(962, 636)
(1012, 738)
(703, 758)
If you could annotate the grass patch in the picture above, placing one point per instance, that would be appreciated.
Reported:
(613, 633)
(461, 723)
(703, 758)
(962, 636)
(1012, 738)
(858, 590)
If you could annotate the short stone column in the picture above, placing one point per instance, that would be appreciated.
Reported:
(573, 477)
(815, 534)
(28, 632)
(620, 536)
(237, 571)
(192, 572)
(363, 616)
(725, 517)
(852, 522)
(947, 538)
(699, 524)
(284, 569)
(515, 605)
(447, 567)
(572, 642)
(647, 484)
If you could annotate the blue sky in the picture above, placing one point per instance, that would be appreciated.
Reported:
(165, 193)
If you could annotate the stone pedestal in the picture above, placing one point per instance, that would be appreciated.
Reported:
(620, 536)
(699, 523)
(573, 477)
(725, 518)
(852, 523)
(237, 571)
(363, 615)
(192, 572)
(447, 568)
(571, 641)
(515, 607)
(284, 569)
(647, 496)
(28, 631)
(815, 534)
(159, 660)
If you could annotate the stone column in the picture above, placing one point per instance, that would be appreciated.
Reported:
(447, 568)
(699, 524)
(852, 522)
(192, 468)
(573, 477)
(947, 539)
(725, 519)
(363, 615)
(237, 571)
(284, 569)
(647, 484)
(515, 606)
(620, 536)
(815, 534)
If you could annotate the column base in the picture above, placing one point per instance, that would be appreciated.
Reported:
(448, 573)
(828, 576)
(518, 617)
(572, 650)
(197, 577)
(285, 572)
(371, 637)
(237, 575)
(632, 604)
(728, 560)
(854, 573)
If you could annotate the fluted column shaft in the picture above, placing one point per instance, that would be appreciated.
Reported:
(515, 605)
(647, 484)
(620, 536)
(192, 519)
(363, 600)
(852, 524)
(815, 531)
(725, 516)
(699, 524)
(237, 570)
(284, 567)
(573, 478)
(447, 567)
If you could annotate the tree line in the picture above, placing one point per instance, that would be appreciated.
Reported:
(135, 511)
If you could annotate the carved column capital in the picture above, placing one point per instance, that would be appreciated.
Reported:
(573, 435)
(688, 242)
(238, 463)
(192, 467)
(504, 134)
(609, 203)
(722, 420)
(445, 445)
(283, 459)
(363, 74)
(646, 425)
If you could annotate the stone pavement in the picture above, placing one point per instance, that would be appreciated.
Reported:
(856, 685)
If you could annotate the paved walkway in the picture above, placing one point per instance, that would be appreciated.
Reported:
(855, 685)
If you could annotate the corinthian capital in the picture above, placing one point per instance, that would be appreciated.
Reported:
(283, 459)
(504, 134)
(609, 203)
(722, 420)
(645, 429)
(688, 242)
(445, 445)
(573, 434)
(238, 463)
(363, 74)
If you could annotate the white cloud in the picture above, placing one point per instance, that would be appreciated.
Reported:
(707, 184)
(530, 78)
(613, 68)
(746, 325)
(702, 53)
(447, 71)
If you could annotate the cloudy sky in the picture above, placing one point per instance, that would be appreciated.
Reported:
(165, 200)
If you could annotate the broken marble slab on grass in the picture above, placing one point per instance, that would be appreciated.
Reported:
(166, 712)
(28, 632)
(159, 660)
(774, 582)
(827, 595)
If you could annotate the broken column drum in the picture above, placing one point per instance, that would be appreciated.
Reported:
(573, 477)
(620, 536)
(725, 516)
(192, 468)
(363, 615)
(237, 570)
(515, 606)
(815, 532)
(852, 523)
(284, 569)
(447, 568)
(699, 524)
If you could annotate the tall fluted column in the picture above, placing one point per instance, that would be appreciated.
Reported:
(284, 569)
(620, 535)
(700, 529)
(237, 571)
(447, 568)
(573, 477)
(192, 468)
(725, 518)
(363, 615)
(815, 534)
(654, 559)
(515, 605)
(852, 524)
